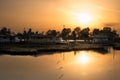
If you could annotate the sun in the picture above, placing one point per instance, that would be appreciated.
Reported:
(84, 18)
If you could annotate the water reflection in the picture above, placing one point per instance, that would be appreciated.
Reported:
(79, 65)
(83, 58)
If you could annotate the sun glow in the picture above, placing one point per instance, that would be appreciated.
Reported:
(83, 58)
(84, 18)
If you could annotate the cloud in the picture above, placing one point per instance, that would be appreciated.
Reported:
(108, 9)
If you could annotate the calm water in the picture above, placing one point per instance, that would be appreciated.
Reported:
(80, 65)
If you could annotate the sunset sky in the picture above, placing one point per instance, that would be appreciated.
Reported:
(53, 14)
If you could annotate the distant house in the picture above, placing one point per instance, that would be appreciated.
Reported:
(4, 39)
(100, 39)
(16, 39)
(43, 39)
(9, 39)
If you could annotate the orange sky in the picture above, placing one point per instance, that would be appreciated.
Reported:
(53, 14)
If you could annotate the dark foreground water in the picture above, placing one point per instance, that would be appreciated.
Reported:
(80, 65)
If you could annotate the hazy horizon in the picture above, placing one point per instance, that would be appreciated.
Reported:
(42, 15)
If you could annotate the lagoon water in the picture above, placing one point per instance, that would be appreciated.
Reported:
(79, 65)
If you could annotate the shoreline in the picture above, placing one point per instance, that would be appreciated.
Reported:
(36, 48)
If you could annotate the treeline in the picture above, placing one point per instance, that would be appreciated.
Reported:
(85, 33)
(65, 33)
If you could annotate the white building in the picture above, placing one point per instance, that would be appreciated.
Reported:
(44, 39)
(4, 39)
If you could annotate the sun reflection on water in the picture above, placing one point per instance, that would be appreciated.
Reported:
(83, 58)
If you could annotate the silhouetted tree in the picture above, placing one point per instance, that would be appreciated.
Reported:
(109, 32)
(77, 32)
(74, 35)
(51, 33)
(30, 32)
(84, 33)
(65, 33)
(9, 31)
(107, 29)
(96, 31)
(36, 32)
(3, 31)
